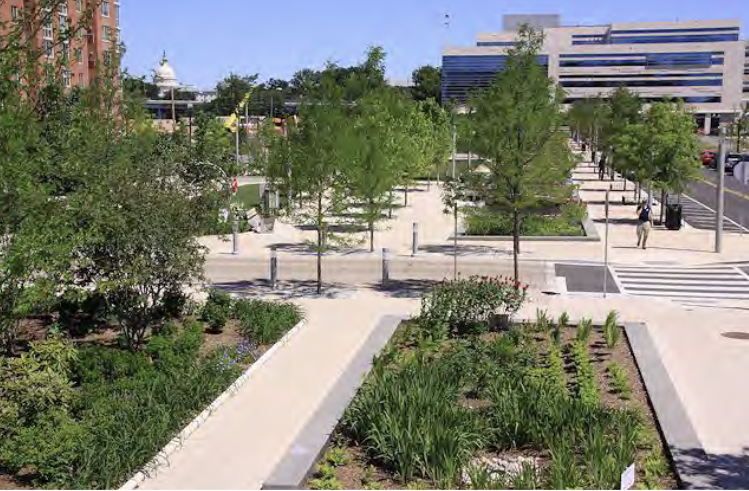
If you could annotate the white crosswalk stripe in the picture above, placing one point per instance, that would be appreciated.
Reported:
(722, 282)
(699, 216)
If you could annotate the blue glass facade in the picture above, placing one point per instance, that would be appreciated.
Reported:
(462, 75)
(708, 82)
(661, 60)
(687, 100)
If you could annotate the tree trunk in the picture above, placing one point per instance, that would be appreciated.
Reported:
(320, 232)
(516, 243)
(371, 235)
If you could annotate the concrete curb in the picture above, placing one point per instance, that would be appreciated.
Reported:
(300, 458)
(683, 443)
(591, 235)
(162, 458)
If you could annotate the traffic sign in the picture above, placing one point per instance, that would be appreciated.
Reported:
(741, 172)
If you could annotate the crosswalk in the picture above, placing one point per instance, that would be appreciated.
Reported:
(700, 216)
(719, 282)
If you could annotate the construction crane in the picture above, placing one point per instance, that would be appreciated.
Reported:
(232, 122)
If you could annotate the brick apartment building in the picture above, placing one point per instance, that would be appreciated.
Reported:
(87, 48)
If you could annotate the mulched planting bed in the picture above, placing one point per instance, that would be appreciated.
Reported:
(82, 412)
(540, 406)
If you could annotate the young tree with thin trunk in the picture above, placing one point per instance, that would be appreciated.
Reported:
(517, 132)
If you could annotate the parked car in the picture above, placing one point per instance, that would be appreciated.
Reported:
(731, 160)
(708, 158)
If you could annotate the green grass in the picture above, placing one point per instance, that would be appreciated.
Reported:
(480, 221)
(248, 195)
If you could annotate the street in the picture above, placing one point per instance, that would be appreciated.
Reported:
(701, 201)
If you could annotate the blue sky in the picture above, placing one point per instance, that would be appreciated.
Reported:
(207, 39)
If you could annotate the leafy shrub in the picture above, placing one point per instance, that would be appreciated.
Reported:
(611, 330)
(99, 364)
(35, 382)
(215, 316)
(266, 322)
(174, 303)
(408, 419)
(221, 298)
(485, 221)
(81, 314)
(178, 349)
(468, 305)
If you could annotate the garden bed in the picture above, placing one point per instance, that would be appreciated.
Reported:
(85, 413)
(462, 404)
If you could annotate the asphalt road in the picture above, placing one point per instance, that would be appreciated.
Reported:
(705, 192)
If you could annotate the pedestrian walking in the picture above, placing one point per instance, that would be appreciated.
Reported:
(601, 168)
(644, 224)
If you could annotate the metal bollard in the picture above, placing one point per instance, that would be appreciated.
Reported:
(385, 266)
(273, 268)
(415, 239)
(235, 237)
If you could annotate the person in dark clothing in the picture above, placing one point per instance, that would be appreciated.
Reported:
(644, 223)
(601, 168)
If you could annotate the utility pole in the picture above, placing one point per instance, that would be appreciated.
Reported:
(721, 189)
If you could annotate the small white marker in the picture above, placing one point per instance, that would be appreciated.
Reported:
(628, 477)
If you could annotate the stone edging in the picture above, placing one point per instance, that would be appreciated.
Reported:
(162, 458)
(300, 458)
(591, 235)
(687, 452)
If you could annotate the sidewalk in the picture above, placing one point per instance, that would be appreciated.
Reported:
(688, 246)
(239, 445)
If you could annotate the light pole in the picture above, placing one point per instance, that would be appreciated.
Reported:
(235, 224)
(721, 189)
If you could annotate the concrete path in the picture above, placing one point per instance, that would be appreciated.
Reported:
(239, 445)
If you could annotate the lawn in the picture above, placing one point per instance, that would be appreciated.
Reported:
(481, 221)
(248, 196)
(460, 398)
(80, 412)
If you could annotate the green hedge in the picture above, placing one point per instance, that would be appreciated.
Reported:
(480, 221)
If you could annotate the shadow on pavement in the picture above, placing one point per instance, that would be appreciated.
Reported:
(286, 290)
(464, 250)
(403, 288)
(701, 470)
(620, 221)
(339, 228)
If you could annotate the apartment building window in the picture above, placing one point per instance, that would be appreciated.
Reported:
(66, 78)
(80, 80)
(79, 56)
(14, 13)
(106, 33)
(48, 31)
(65, 52)
(105, 8)
(78, 5)
(117, 14)
(63, 9)
(107, 58)
(62, 22)
(49, 47)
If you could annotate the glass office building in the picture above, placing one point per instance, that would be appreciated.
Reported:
(700, 62)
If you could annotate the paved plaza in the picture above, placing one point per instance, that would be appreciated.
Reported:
(690, 298)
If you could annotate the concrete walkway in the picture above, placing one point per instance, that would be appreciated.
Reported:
(239, 445)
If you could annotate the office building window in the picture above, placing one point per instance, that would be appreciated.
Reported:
(105, 8)
(638, 75)
(14, 13)
(710, 82)
(689, 38)
(671, 31)
(495, 43)
(688, 100)
(679, 59)
(106, 33)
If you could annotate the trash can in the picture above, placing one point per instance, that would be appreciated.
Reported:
(673, 216)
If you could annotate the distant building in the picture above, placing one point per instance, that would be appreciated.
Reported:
(176, 100)
(746, 75)
(86, 50)
(701, 62)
